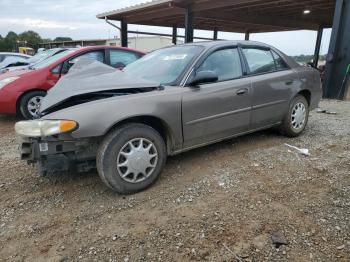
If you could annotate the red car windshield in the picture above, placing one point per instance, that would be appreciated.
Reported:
(52, 59)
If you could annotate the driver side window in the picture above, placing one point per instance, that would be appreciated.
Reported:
(225, 63)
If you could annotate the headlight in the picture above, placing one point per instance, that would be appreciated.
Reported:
(40, 128)
(7, 80)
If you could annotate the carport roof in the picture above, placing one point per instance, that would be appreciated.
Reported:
(252, 16)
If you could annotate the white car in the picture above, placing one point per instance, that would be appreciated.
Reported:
(7, 58)
(40, 56)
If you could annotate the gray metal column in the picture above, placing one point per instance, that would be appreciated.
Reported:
(338, 57)
(189, 25)
(247, 35)
(124, 33)
(174, 35)
(215, 34)
(318, 46)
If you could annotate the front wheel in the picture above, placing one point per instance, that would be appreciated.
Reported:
(131, 158)
(296, 118)
(30, 103)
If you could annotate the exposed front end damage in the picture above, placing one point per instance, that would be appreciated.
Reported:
(88, 81)
(53, 155)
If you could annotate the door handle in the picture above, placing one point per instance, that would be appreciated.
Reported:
(242, 91)
(289, 82)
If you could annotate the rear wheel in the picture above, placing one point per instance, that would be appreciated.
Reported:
(131, 158)
(30, 103)
(295, 121)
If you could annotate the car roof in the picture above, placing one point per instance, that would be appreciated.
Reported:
(218, 43)
(109, 47)
(224, 43)
(16, 54)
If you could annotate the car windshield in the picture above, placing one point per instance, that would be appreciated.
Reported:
(42, 56)
(52, 59)
(165, 65)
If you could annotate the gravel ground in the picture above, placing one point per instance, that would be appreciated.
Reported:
(218, 203)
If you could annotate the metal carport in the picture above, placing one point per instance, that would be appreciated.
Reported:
(250, 16)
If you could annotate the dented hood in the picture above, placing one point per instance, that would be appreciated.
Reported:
(90, 76)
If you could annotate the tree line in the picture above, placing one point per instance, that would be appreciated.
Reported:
(307, 58)
(12, 41)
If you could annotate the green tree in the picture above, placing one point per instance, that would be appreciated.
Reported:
(62, 38)
(30, 37)
(8, 43)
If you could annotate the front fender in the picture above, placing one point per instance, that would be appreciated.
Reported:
(97, 117)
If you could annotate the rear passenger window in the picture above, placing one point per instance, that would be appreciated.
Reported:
(120, 58)
(225, 63)
(94, 55)
(259, 60)
(280, 64)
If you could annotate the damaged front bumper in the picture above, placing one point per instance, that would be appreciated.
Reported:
(52, 155)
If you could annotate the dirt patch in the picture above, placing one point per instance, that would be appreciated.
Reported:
(218, 203)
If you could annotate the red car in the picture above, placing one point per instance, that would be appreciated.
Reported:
(22, 91)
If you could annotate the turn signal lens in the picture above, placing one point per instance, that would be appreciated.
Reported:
(67, 125)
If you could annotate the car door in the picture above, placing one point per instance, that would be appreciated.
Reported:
(119, 58)
(57, 72)
(272, 85)
(217, 110)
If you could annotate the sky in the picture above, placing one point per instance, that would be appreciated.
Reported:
(77, 19)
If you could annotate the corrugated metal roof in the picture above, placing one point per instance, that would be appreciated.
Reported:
(138, 7)
(252, 16)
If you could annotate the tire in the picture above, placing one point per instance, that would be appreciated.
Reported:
(32, 99)
(116, 150)
(292, 126)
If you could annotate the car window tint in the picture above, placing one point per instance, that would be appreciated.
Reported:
(120, 58)
(280, 64)
(259, 61)
(94, 55)
(225, 63)
(2, 57)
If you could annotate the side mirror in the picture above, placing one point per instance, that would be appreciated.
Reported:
(204, 77)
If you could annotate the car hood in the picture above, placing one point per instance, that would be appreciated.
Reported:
(14, 68)
(14, 73)
(92, 77)
(10, 60)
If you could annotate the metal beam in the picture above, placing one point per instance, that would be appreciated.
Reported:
(215, 34)
(167, 35)
(124, 33)
(174, 35)
(333, 75)
(247, 35)
(318, 46)
(189, 25)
